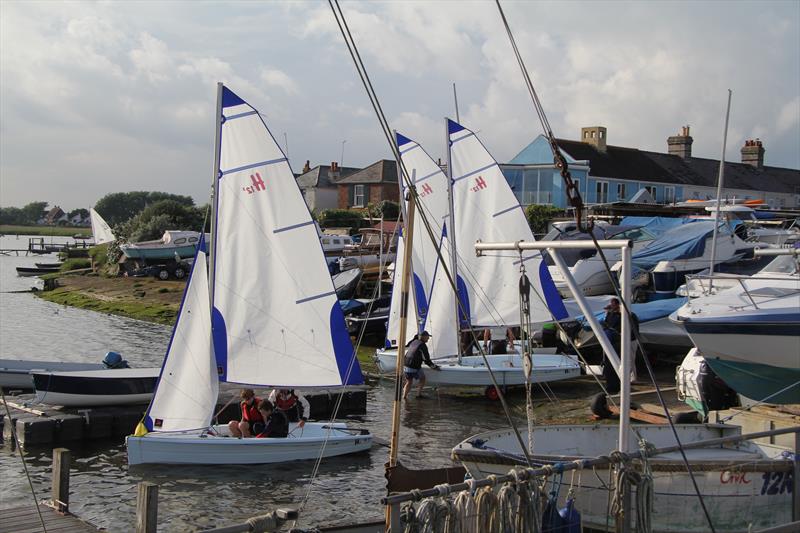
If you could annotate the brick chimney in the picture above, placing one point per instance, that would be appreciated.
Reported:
(307, 167)
(596, 136)
(753, 153)
(681, 145)
(334, 173)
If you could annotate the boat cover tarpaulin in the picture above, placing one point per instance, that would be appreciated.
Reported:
(683, 242)
(655, 225)
(645, 312)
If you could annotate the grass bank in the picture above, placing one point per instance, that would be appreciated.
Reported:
(141, 298)
(45, 231)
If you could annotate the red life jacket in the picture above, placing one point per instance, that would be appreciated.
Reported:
(251, 413)
(285, 403)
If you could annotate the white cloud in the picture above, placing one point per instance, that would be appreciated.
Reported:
(277, 78)
(152, 59)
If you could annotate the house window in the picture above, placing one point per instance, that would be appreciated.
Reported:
(669, 195)
(602, 192)
(358, 196)
(621, 191)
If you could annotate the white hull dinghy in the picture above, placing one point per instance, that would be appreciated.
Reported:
(84, 388)
(746, 485)
(16, 374)
(273, 322)
(215, 445)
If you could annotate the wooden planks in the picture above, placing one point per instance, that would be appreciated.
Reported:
(26, 520)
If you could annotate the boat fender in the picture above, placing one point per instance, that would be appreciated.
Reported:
(114, 360)
(571, 518)
(599, 406)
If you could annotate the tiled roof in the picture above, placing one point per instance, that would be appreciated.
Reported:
(318, 176)
(382, 171)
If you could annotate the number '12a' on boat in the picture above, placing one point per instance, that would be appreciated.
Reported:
(266, 314)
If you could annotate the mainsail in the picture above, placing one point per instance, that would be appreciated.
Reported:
(187, 389)
(486, 209)
(441, 321)
(100, 229)
(275, 318)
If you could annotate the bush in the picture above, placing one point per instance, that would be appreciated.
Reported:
(340, 218)
(390, 210)
(75, 264)
(99, 254)
(539, 216)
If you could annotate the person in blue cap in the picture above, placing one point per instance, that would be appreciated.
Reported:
(416, 354)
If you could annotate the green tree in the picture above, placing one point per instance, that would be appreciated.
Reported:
(11, 215)
(155, 219)
(390, 210)
(120, 207)
(32, 212)
(340, 218)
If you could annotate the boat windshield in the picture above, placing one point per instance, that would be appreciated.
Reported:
(783, 264)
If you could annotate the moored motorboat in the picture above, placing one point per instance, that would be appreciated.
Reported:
(16, 373)
(173, 243)
(81, 388)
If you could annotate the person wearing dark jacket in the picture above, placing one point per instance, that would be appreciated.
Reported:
(416, 354)
(612, 326)
(275, 425)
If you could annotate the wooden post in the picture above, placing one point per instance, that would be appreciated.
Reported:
(61, 464)
(147, 508)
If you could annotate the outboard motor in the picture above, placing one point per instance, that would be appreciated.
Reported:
(114, 360)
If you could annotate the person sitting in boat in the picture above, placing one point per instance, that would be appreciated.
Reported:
(501, 345)
(612, 325)
(275, 424)
(292, 404)
(250, 415)
(416, 354)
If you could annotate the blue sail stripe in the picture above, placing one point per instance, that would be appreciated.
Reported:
(240, 115)
(318, 296)
(453, 141)
(293, 226)
(506, 210)
(423, 178)
(468, 174)
(253, 165)
(409, 149)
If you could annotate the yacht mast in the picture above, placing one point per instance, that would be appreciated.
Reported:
(451, 237)
(720, 181)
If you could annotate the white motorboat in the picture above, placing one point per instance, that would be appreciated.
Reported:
(173, 244)
(16, 373)
(750, 335)
(84, 388)
(744, 486)
(488, 292)
(274, 321)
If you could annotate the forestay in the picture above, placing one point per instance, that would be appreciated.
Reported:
(187, 389)
(275, 319)
(486, 209)
(100, 229)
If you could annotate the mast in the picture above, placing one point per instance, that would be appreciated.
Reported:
(398, 383)
(215, 195)
(451, 237)
(720, 180)
(455, 100)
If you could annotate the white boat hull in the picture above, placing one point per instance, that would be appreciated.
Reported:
(200, 448)
(123, 386)
(507, 368)
(742, 487)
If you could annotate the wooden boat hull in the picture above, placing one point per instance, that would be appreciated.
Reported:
(199, 447)
(472, 371)
(16, 374)
(125, 386)
(28, 272)
(743, 487)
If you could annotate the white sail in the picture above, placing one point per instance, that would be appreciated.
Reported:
(187, 389)
(100, 229)
(486, 209)
(393, 326)
(441, 322)
(276, 320)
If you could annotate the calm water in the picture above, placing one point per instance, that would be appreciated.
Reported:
(103, 487)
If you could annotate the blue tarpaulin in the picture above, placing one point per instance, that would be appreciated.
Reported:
(683, 242)
(645, 312)
(655, 225)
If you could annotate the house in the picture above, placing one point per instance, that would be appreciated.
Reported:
(607, 173)
(371, 185)
(318, 184)
(55, 216)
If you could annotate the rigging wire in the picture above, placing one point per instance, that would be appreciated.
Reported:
(575, 200)
(22, 458)
(354, 54)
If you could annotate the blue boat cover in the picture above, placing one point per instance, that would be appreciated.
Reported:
(655, 225)
(682, 242)
(645, 312)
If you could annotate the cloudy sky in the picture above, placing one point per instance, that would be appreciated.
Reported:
(98, 97)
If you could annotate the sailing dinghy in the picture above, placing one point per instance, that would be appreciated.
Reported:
(266, 316)
(483, 208)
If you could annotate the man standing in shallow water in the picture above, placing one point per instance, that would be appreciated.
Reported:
(416, 354)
